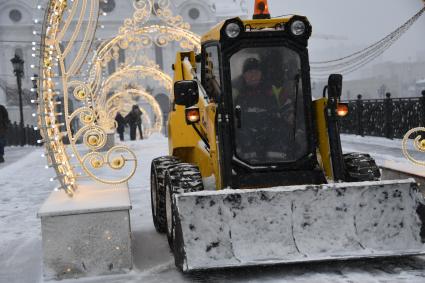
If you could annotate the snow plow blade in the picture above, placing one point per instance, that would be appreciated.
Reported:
(232, 228)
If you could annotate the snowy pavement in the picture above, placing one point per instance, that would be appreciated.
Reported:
(387, 153)
(15, 153)
(24, 186)
(381, 149)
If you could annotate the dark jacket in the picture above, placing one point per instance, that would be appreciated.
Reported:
(120, 122)
(134, 117)
(4, 121)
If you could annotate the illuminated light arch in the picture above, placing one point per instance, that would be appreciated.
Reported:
(147, 36)
(56, 28)
(125, 97)
(59, 27)
(130, 75)
(143, 37)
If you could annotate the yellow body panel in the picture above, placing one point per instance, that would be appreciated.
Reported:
(323, 137)
(215, 35)
(183, 140)
(265, 23)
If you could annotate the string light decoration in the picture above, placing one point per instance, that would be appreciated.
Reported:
(56, 23)
(133, 38)
(418, 144)
(132, 75)
(62, 41)
(68, 34)
(357, 60)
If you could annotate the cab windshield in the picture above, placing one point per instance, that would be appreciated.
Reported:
(267, 94)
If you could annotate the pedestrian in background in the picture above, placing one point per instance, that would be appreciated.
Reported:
(4, 125)
(120, 125)
(134, 119)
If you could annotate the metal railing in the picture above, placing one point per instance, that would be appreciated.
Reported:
(389, 117)
(14, 135)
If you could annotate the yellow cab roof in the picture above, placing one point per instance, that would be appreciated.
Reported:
(214, 33)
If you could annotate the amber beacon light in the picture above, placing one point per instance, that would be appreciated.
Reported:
(261, 10)
(342, 109)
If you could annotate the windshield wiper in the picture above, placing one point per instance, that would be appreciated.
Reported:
(297, 81)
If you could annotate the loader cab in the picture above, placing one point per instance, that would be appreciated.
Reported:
(257, 71)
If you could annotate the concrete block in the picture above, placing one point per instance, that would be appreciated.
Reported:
(87, 235)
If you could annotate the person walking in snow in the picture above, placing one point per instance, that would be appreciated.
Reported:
(120, 125)
(4, 125)
(134, 119)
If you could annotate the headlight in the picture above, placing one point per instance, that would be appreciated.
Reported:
(298, 28)
(192, 115)
(233, 30)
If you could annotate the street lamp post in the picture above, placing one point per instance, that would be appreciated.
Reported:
(18, 69)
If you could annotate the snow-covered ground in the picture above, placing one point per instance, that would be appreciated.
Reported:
(381, 149)
(387, 153)
(24, 185)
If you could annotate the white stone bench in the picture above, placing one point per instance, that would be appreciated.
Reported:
(88, 234)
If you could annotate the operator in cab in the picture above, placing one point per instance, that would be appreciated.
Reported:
(256, 112)
(265, 107)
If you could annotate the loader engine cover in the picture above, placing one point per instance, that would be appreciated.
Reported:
(231, 228)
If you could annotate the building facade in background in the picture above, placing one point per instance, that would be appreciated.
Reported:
(17, 26)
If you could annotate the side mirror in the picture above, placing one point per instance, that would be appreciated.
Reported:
(186, 93)
(335, 86)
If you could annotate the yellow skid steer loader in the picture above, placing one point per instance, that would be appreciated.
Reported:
(256, 173)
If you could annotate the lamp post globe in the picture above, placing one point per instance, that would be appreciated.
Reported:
(18, 65)
(18, 69)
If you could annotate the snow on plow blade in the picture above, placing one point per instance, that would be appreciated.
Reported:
(233, 228)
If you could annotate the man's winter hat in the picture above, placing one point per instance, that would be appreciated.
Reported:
(251, 64)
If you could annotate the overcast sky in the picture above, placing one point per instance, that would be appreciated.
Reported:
(363, 22)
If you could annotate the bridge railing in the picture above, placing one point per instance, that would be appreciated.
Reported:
(15, 136)
(389, 117)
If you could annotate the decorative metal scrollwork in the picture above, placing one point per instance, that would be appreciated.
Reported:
(86, 116)
(418, 135)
